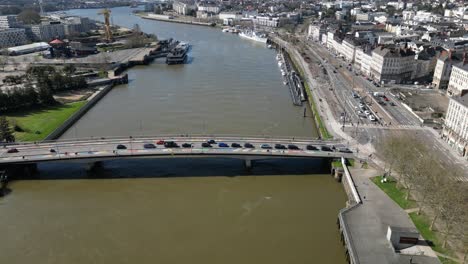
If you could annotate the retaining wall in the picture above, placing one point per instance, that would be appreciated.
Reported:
(78, 114)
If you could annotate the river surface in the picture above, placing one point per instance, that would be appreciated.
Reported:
(230, 86)
(182, 210)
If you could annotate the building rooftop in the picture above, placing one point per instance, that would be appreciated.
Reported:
(463, 100)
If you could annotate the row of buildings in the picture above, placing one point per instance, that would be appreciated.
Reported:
(407, 46)
(275, 18)
(14, 33)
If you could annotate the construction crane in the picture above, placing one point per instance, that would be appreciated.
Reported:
(106, 13)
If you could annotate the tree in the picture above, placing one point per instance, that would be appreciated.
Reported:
(69, 69)
(5, 132)
(29, 16)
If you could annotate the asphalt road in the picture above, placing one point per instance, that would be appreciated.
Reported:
(104, 148)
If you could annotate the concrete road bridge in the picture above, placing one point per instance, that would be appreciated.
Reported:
(101, 149)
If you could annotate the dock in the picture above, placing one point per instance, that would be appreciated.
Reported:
(293, 80)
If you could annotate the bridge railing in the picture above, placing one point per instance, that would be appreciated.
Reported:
(179, 136)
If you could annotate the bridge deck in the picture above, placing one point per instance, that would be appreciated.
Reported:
(102, 149)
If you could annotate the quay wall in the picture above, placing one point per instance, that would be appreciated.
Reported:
(354, 200)
(80, 113)
(178, 21)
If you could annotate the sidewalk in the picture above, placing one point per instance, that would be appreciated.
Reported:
(369, 222)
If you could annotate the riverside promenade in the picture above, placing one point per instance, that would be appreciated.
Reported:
(365, 222)
(367, 225)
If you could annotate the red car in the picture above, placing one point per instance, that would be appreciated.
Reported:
(160, 142)
(386, 98)
(12, 150)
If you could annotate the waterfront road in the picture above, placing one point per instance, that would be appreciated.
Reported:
(102, 148)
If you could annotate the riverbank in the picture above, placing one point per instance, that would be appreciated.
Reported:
(175, 20)
(37, 124)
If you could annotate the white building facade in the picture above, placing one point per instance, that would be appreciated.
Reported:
(455, 130)
(458, 83)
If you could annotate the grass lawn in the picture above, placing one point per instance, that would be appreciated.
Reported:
(422, 223)
(42, 120)
(397, 195)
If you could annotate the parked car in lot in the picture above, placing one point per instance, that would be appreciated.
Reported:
(266, 146)
(149, 146)
(236, 145)
(361, 105)
(170, 144)
(361, 114)
(186, 145)
(280, 146)
(120, 146)
(248, 145)
(372, 118)
(392, 104)
(326, 148)
(311, 147)
(223, 145)
(206, 145)
(367, 112)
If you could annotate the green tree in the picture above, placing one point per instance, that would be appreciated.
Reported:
(29, 16)
(5, 132)
(69, 69)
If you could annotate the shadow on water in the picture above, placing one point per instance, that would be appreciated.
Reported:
(180, 167)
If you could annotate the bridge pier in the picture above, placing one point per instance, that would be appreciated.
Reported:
(248, 164)
(94, 166)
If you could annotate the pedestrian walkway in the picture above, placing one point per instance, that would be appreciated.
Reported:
(369, 221)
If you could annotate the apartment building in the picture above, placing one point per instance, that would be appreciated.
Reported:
(392, 64)
(455, 130)
(443, 70)
(48, 31)
(12, 37)
(458, 82)
(7, 22)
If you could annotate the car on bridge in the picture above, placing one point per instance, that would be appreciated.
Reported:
(326, 148)
(211, 141)
(206, 145)
(236, 145)
(13, 150)
(170, 144)
(265, 146)
(223, 145)
(186, 145)
(160, 142)
(248, 145)
(311, 147)
(149, 146)
(293, 147)
(280, 146)
(120, 146)
(344, 150)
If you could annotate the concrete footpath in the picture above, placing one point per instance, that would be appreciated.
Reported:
(369, 221)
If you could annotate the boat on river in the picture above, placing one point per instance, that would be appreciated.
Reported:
(179, 54)
(252, 35)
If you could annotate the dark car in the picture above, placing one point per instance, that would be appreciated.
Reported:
(236, 145)
(120, 146)
(265, 146)
(223, 145)
(211, 141)
(149, 146)
(170, 144)
(311, 147)
(13, 150)
(206, 145)
(52, 151)
(280, 146)
(186, 145)
(326, 148)
(345, 150)
(248, 145)
(293, 147)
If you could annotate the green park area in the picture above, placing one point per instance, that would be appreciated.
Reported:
(421, 221)
(37, 124)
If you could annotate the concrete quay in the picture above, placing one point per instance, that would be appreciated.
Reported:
(178, 21)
